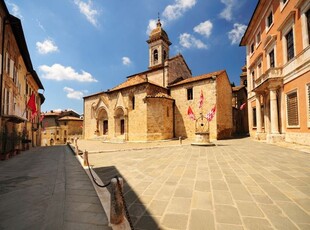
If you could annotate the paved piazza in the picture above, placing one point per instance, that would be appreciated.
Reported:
(238, 184)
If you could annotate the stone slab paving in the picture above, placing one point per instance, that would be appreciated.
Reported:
(46, 188)
(237, 184)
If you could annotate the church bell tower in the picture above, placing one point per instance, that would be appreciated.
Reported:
(158, 46)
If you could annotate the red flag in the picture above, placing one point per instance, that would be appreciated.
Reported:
(32, 105)
(211, 114)
(201, 99)
(243, 106)
(190, 113)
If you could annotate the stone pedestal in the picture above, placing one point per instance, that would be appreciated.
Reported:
(203, 139)
(274, 138)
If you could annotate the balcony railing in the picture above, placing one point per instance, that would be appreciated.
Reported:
(271, 73)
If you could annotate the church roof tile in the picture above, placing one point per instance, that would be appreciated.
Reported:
(199, 78)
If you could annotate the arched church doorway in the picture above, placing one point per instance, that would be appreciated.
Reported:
(103, 122)
(120, 121)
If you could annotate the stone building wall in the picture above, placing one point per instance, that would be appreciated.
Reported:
(184, 126)
(156, 77)
(90, 124)
(159, 118)
(224, 106)
(178, 69)
(137, 116)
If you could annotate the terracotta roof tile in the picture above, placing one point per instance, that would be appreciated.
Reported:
(70, 118)
(237, 88)
(199, 78)
(159, 95)
(135, 80)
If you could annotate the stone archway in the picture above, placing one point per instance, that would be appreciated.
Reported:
(120, 121)
(102, 122)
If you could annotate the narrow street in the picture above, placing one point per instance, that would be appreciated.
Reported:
(46, 188)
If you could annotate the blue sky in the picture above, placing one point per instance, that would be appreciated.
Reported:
(80, 47)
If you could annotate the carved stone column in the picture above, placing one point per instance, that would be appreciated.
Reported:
(258, 114)
(274, 111)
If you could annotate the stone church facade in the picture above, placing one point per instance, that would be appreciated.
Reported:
(152, 105)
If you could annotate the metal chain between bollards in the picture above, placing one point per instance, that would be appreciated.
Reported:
(120, 190)
(99, 185)
(124, 202)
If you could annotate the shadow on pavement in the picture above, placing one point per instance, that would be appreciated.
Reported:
(139, 215)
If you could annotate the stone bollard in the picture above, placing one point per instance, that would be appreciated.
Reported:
(180, 139)
(85, 158)
(117, 206)
(76, 146)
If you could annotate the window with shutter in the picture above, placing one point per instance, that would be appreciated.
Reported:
(292, 109)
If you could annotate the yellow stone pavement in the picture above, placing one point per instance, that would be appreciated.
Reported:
(237, 184)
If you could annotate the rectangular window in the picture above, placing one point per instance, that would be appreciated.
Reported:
(292, 109)
(133, 102)
(8, 102)
(271, 59)
(259, 70)
(190, 94)
(258, 38)
(253, 78)
(290, 45)
(269, 20)
(252, 48)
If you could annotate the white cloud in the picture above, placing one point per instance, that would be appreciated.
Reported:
(15, 10)
(236, 33)
(151, 26)
(73, 94)
(47, 46)
(126, 61)
(189, 41)
(176, 10)
(41, 26)
(86, 9)
(59, 73)
(204, 28)
(227, 12)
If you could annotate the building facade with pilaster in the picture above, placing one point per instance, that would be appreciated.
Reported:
(18, 81)
(278, 63)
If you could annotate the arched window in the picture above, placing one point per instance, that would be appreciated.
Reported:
(165, 54)
(155, 55)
